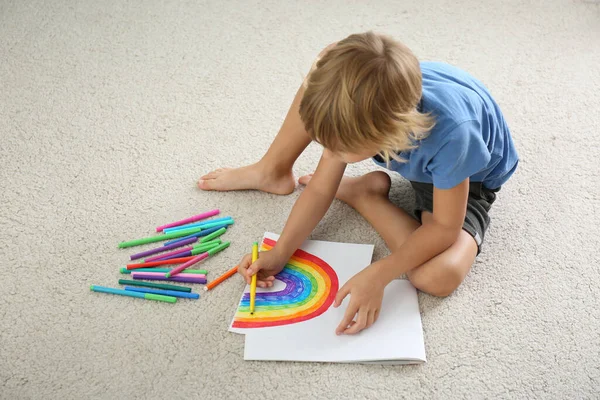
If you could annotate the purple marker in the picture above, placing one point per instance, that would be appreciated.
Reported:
(178, 255)
(163, 248)
(157, 276)
(170, 254)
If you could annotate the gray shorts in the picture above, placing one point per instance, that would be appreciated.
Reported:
(477, 219)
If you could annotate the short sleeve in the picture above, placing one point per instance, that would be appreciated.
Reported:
(462, 155)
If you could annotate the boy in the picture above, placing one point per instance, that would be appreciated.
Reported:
(368, 96)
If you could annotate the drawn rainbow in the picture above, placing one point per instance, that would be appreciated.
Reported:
(310, 288)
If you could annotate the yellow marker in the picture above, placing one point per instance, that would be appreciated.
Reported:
(253, 282)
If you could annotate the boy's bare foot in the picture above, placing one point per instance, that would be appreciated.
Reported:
(355, 190)
(254, 176)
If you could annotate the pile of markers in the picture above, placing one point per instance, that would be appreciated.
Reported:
(187, 242)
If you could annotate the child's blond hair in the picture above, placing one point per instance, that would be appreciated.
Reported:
(363, 93)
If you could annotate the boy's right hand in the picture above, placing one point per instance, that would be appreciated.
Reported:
(269, 264)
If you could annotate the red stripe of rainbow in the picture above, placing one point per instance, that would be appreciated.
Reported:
(321, 299)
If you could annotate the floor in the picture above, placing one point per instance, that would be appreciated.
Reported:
(110, 111)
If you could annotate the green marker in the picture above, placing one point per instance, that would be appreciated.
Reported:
(206, 246)
(214, 241)
(158, 238)
(154, 285)
(121, 292)
(213, 235)
(219, 248)
(212, 250)
(201, 250)
(209, 252)
(187, 271)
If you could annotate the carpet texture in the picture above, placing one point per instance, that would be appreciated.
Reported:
(110, 111)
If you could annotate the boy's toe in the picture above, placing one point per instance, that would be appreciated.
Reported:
(305, 179)
(205, 184)
(210, 175)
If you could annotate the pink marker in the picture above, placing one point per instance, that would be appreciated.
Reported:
(193, 261)
(162, 275)
(189, 220)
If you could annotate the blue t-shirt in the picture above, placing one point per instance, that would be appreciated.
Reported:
(470, 138)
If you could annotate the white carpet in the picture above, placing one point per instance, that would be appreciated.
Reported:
(110, 111)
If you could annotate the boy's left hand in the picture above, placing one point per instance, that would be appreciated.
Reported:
(366, 294)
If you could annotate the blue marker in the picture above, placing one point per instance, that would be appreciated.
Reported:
(140, 290)
(197, 224)
(198, 234)
(121, 292)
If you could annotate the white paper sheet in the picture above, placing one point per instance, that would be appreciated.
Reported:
(396, 337)
(346, 259)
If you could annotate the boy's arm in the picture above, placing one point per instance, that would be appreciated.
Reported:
(429, 239)
(312, 204)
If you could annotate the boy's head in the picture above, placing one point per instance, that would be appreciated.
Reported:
(361, 98)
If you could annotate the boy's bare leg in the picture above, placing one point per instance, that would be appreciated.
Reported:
(369, 195)
(442, 274)
(273, 173)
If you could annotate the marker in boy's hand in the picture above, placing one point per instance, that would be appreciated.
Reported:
(267, 266)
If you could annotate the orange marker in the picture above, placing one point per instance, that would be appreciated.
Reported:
(222, 278)
(157, 263)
